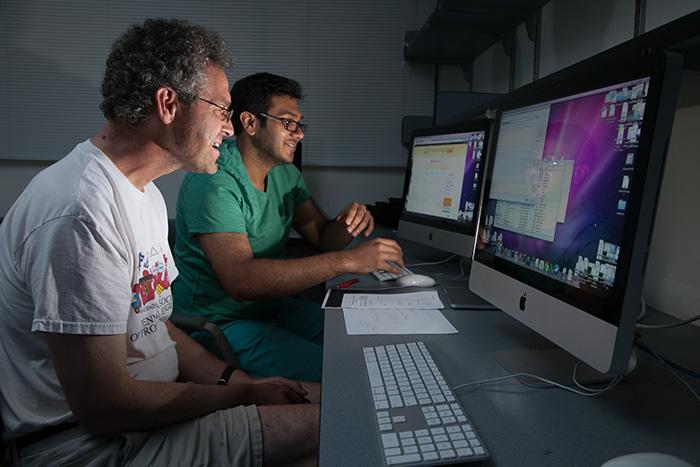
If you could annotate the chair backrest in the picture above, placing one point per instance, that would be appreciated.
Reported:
(171, 233)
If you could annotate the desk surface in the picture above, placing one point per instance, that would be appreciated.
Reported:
(521, 426)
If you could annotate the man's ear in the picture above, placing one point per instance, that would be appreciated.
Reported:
(248, 121)
(166, 104)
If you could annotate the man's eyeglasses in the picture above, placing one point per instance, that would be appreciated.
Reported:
(224, 113)
(289, 125)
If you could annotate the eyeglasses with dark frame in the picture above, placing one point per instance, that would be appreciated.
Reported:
(290, 125)
(225, 113)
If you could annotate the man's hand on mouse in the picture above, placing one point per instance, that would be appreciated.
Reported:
(373, 255)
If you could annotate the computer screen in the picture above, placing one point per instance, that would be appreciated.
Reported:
(568, 205)
(443, 182)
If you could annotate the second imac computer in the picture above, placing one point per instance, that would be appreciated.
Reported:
(443, 183)
(569, 201)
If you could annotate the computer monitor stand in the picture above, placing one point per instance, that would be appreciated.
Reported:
(555, 365)
(460, 297)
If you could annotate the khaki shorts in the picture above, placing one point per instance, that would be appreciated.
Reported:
(230, 437)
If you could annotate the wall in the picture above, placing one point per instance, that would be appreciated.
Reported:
(660, 12)
(14, 176)
(524, 57)
(672, 279)
(334, 188)
(573, 31)
(490, 70)
(407, 14)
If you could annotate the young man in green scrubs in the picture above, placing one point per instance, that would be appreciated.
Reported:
(232, 228)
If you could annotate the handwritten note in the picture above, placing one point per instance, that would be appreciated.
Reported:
(405, 301)
(385, 321)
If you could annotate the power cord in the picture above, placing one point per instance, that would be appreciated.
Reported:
(667, 364)
(584, 391)
(669, 325)
(642, 309)
(435, 263)
(590, 392)
(642, 314)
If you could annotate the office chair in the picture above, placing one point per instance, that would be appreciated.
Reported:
(190, 324)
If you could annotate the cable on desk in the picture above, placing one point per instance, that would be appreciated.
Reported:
(666, 365)
(434, 263)
(663, 326)
(674, 365)
(585, 391)
(669, 325)
(613, 382)
(642, 309)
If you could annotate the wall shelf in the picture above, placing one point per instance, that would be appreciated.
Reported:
(458, 31)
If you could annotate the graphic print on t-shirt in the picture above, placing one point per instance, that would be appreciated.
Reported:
(151, 299)
(153, 279)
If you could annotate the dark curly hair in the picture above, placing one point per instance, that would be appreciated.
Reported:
(157, 53)
(253, 93)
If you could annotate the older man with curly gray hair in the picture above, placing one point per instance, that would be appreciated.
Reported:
(93, 371)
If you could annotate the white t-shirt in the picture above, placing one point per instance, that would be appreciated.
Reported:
(82, 251)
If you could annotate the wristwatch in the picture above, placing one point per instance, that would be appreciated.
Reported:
(226, 375)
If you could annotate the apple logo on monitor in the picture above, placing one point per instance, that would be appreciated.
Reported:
(523, 298)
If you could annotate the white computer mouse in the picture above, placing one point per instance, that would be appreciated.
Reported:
(416, 280)
(646, 459)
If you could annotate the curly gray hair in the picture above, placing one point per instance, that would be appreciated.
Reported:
(158, 53)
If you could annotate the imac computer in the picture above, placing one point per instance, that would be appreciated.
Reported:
(441, 192)
(569, 200)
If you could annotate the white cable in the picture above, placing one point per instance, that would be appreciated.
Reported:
(430, 264)
(588, 392)
(667, 325)
(673, 372)
(642, 309)
(613, 382)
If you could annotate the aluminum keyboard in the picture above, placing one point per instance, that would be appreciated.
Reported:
(382, 275)
(419, 420)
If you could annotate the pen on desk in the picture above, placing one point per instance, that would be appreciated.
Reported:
(347, 283)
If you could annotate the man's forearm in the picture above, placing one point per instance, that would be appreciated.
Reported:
(105, 398)
(144, 405)
(195, 363)
(263, 278)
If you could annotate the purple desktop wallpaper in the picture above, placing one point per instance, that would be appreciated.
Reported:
(468, 192)
(577, 131)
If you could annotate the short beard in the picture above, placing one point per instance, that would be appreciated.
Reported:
(265, 146)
